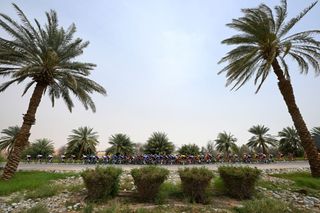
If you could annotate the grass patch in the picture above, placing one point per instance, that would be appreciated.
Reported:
(43, 191)
(26, 180)
(15, 199)
(168, 190)
(74, 188)
(266, 205)
(270, 185)
(120, 208)
(301, 179)
(115, 208)
(303, 182)
(88, 208)
(40, 208)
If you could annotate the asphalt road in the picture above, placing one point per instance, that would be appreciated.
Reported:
(79, 167)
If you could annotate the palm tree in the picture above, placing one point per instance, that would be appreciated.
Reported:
(7, 141)
(45, 56)
(244, 149)
(263, 46)
(209, 148)
(121, 144)
(42, 147)
(290, 142)
(225, 142)
(189, 149)
(138, 148)
(159, 143)
(261, 139)
(83, 141)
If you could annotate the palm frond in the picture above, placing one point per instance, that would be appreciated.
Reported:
(261, 42)
(46, 54)
(291, 23)
(281, 14)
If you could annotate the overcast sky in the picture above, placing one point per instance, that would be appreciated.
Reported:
(158, 62)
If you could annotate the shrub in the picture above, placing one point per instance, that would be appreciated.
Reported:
(218, 186)
(148, 181)
(239, 181)
(194, 183)
(266, 205)
(168, 190)
(101, 182)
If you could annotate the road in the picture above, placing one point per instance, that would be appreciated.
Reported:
(79, 167)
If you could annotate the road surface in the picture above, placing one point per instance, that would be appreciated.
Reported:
(79, 167)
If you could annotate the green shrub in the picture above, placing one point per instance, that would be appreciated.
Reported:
(101, 182)
(266, 205)
(239, 181)
(218, 186)
(148, 181)
(194, 183)
(168, 190)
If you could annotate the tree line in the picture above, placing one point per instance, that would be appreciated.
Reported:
(83, 141)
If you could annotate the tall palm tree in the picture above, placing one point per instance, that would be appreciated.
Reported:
(83, 141)
(262, 47)
(121, 143)
(159, 143)
(261, 139)
(43, 57)
(226, 142)
(8, 139)
(290, 142)
(42, 147)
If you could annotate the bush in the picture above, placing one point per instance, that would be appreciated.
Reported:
(266, 205)
(239, 181)
(168, 190)
(218, 186)
(101, 182)
(194, 183)
(148, 181)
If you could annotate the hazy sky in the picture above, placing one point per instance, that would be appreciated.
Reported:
(157, 60)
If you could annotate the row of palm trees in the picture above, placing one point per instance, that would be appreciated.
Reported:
(45, 56)
(83, 141)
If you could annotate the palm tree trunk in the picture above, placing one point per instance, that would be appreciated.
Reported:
(304, 134)
(23, 135)
(264, 150)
